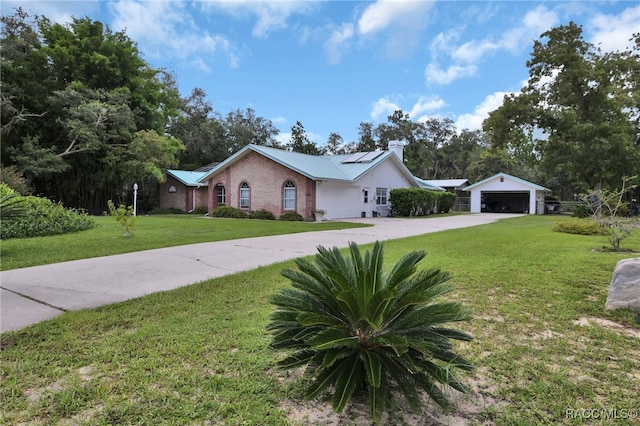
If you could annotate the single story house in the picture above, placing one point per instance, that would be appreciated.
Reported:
(343, 186)
(182, 190)
(503, 193)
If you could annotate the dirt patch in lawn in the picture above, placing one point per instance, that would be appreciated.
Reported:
(610, 325)
(469, 409)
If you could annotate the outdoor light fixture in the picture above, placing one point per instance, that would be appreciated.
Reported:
(135, 199)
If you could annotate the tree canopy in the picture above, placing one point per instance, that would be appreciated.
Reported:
(79, 105)
(577, 116)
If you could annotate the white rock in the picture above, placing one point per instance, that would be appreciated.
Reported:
(624, 290)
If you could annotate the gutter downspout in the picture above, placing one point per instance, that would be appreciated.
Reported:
(193, 201)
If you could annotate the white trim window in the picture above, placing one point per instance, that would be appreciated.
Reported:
(222, 195)
(289, 195)
(245, 195)
(381, 196)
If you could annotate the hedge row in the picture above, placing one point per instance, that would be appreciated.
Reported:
(579, 226)
(420, 202)
(44, 217)
(232, 212)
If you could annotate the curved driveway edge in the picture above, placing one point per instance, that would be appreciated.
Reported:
(31, 295)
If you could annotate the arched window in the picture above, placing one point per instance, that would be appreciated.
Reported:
(289, 195)
(245, 195)
(222, 195)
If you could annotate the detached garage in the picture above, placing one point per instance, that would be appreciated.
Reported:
(503, 193)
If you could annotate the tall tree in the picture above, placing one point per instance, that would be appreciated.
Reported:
(73, 98)
(335, 145)
(459, 153)
(202, 134)
(300, 142)
(366, 139)
(422, 138)
(583, 102)
(244, 127)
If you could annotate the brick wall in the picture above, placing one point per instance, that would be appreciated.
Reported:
(183, 197)
(172, 200)
(266, 180)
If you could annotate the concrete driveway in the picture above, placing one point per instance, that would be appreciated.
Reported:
(31, 295)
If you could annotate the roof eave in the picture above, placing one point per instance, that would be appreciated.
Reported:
(182, 181)
(533, 185)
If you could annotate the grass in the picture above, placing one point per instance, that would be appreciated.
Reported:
(199, 355)
(149, 232)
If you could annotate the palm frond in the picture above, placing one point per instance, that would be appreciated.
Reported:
(322, 381)
(12, 206)
(297, 359)
(333, 337)
(373, 368)
(405, 267)
(347, 381)
(378, 397)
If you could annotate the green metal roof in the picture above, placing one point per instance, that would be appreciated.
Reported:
(316, 167)
(428, 185)
(188, 178)
(504, 175)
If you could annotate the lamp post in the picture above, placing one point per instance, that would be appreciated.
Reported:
(135, 199)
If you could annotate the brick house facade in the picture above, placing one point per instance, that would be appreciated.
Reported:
(268, 194)
(182, 191)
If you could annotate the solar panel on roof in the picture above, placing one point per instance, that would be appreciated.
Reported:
(353, 158)
(370, 156)
(362, 157)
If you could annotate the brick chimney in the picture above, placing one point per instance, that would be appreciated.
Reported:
(398, 148)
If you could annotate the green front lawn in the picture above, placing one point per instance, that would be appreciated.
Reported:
(199, 355)
(149, 232)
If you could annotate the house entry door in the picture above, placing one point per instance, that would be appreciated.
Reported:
(366, 209)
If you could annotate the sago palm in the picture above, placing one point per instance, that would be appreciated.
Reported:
(13, 207)
(356, 327)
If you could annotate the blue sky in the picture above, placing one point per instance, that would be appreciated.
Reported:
(334, 64)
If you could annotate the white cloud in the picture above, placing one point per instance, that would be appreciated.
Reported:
(270, 15)
(53, 9)
(474, 120)
(436, 75)
(534, 23)
(285, 138)
(612, 32)
(388, 13)
(280, 120)
(338, 41)
(513, 40)
(425, 104)
(167, 29)
(466, 56)
(401, 20)
(382, 108)
(444, 42)
(473, 51)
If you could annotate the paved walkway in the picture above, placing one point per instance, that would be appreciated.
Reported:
(31, 295)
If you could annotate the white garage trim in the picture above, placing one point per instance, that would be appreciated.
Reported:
(503, 183)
